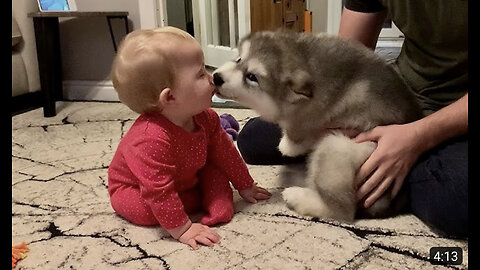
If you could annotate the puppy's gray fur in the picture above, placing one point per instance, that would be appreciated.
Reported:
(320, 90)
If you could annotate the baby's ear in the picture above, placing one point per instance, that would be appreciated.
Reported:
(166, 97)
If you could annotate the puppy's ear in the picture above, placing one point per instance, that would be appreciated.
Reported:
(300, 85)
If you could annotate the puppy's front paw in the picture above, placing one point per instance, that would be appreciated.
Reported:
(290, 195)
(295, 199)
(289, 148)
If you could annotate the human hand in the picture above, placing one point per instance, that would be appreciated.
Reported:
(254, 193)
(398, 147)
(199, 233)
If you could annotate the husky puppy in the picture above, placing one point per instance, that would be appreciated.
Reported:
(321, 91)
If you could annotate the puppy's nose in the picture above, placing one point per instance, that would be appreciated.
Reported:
(217, 79)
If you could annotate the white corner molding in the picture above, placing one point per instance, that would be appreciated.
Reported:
(161, 12)
(150, 12)
(89, 91)
(334, 14)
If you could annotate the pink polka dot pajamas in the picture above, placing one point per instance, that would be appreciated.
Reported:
(160, 172)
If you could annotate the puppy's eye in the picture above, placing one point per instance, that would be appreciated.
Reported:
(238, 60)
(251, 77)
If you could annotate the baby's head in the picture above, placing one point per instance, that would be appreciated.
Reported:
(146, 63)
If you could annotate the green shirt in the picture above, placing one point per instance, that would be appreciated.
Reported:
(434, 57)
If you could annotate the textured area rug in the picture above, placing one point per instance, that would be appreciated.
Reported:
(61, 209)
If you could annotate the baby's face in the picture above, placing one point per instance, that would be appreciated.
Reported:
(194, 84)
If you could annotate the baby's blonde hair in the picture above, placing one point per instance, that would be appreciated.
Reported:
(142, 67)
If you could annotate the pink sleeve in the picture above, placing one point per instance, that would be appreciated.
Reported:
(150, 160)
(223, 153)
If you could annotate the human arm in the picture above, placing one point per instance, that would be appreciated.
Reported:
(254, 193)
(399, 147)
(223, 153)
(362, 26)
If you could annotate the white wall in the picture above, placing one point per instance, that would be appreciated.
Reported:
(87, 50)
(319, 15)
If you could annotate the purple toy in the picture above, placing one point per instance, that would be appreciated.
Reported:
(230, 125)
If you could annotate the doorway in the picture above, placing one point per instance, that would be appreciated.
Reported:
(220, 24)
(179, 14)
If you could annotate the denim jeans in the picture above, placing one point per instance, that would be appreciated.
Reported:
(437, 183)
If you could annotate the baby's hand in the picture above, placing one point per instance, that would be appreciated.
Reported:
(254, 193)
(201, 234)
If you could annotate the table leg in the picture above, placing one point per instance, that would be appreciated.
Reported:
(47, 37)
(111, 30)
(125, 19)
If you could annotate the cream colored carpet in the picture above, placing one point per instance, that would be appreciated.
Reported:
(61, 209)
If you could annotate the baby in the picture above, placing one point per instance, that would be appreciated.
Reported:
(176, 159)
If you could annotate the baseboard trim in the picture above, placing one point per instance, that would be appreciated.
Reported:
(89, 90)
